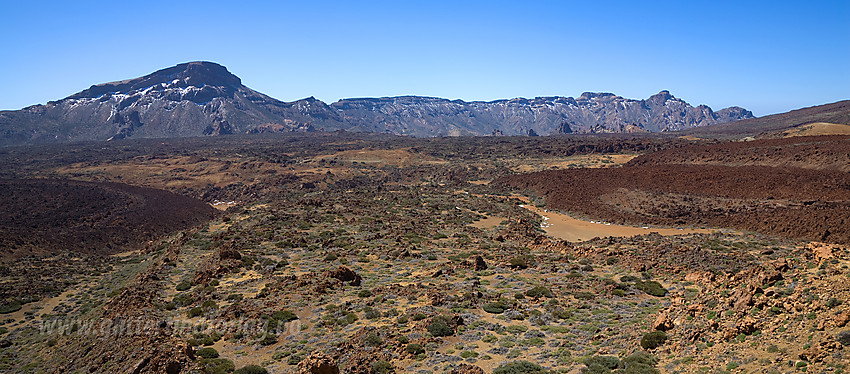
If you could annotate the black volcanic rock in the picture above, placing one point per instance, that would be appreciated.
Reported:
(205, 99)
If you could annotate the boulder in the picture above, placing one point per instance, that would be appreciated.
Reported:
(346, 275)
(318, 363)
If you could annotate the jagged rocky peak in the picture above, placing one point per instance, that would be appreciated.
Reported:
(190, 74)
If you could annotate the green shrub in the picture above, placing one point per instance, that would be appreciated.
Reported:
(832, 303)
(538, 292)
(418, 316)
(371, 313)
(373, 340)
(268, 339)
(195, 312)
(609, 362)
(414, 349)
(652, 340)
(519, 367)
(184, 286)
(496, 307)
(252, 369)
(440, 327)
(520, 262)
(364, 293)
(284, 316)
(468, 354)
(10, 308)
(207, 352)
(639, 363)
(651, 288)
(217, 366)
(381, 367)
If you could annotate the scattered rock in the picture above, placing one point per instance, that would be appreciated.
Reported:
(663, 322)
(467, 369)
(318, 363)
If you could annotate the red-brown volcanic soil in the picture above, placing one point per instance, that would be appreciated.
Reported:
(808, 152)
(43, 216)
(791, 202)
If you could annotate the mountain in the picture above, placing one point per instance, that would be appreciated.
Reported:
(191, 99)
(589, 113)
(204, 98)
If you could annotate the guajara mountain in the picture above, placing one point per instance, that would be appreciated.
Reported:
(204, 98)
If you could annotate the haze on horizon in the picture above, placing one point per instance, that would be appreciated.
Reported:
(768, 57)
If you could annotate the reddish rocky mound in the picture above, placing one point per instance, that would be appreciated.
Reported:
(42, 216)
(810, 152)
(792, 202)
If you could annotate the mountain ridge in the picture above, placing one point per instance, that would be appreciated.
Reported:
(203, 98)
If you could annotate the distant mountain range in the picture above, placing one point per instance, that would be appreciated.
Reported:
(204, 98)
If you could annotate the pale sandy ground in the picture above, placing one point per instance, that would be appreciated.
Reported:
(564, 227)
(818, 128)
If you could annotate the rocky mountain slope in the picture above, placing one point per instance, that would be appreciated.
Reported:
(204, 98)
(191, 99)
(589, 113)
(772, 125)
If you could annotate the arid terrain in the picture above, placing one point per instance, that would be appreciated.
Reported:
(364, 253)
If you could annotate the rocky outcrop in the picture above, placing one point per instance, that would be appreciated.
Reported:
(318, 363)
(345, 274)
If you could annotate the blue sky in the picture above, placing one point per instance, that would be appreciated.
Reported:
(768, 57)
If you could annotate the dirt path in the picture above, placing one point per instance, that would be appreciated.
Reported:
(564, 227)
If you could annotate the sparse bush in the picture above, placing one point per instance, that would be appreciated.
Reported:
(520, 367)
(468, 354)
(609, 362)
(184, 286)
(364, 293)
(371, 313)
(207, 352)
(10, 308)
(252, 369)
(284, 316)
(373, 340)
(440, 327)
(639, 363)
(832, 303)
(651, 288)
(519, 262)
(217, 366)
(268, 339)
(418, 316)
(538, 292)
(381, 367)
(414, 349)
(652, 340)
(496, 307)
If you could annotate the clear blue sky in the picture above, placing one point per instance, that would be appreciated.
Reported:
(768, 57)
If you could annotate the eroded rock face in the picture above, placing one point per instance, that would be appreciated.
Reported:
(318, 363)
